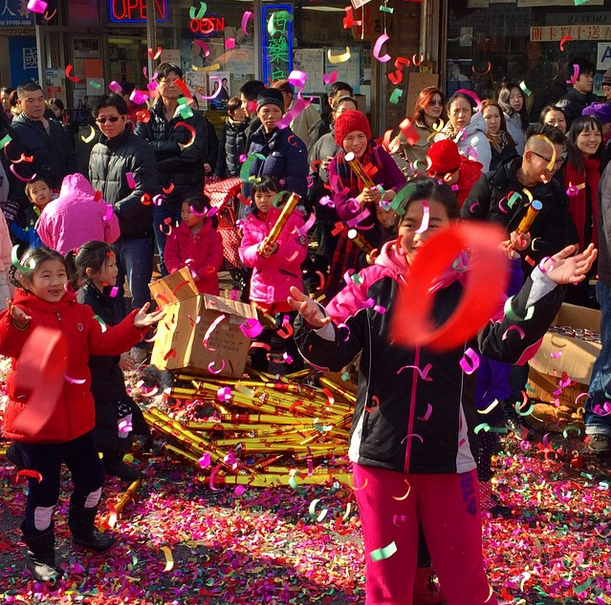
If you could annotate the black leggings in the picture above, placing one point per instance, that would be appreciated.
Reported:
(81, 457)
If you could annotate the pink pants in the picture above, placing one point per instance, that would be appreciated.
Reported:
(391, 505)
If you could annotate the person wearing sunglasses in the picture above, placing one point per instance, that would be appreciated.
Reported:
(123, 168)
(428, 117)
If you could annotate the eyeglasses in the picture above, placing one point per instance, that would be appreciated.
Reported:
(548, 160)
(436, 102)
(112, 119)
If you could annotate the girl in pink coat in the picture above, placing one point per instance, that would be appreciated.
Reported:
(275, 269)
(196, 244)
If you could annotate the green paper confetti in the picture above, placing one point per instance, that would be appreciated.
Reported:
(525, 88)
(383, 553)
(386, 9)
(397, 93)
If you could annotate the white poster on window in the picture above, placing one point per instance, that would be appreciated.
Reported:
(312, 61)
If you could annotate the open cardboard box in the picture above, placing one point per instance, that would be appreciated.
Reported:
(179, 342)
(559, 354)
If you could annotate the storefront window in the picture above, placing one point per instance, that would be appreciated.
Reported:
(528, 41)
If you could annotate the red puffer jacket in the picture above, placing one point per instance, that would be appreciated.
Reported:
(74, 413)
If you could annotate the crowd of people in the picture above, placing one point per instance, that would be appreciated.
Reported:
(80, 237)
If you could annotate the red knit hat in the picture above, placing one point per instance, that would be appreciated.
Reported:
(444, 157)
(347, 122)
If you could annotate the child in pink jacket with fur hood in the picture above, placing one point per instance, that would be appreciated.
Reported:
(77, 216)
(276, 268)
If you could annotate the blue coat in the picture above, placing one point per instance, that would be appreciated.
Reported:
(286, 158)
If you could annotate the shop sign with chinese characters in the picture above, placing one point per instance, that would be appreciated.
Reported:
(553, 33)
(277, 28)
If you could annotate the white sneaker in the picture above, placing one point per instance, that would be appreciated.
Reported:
(598, 443)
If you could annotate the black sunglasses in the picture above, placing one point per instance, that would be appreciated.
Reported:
(112, 119)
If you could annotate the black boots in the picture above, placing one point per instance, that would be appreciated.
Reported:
(13, 453)
(84, 532)
(41, 557)
(115, 467)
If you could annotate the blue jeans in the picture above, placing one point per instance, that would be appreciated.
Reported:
(135, 260)
(169, 210)
(601, 373)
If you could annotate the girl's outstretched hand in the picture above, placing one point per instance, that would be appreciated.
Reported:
(569, 268)
(21, 320)
(143, 319)
(307, 308)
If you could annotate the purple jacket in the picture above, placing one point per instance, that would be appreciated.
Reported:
(273, 277)
(388, 175)
(202, 253)
(75, 218)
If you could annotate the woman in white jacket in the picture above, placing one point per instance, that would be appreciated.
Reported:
(512, 100)
(468, 133)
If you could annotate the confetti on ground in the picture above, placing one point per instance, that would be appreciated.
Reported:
(273, 545)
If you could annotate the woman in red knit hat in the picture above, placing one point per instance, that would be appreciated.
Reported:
(355, 202)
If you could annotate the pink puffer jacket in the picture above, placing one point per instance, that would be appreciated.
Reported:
(273, 277)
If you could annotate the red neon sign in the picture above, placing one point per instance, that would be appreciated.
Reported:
(134, 11)
(207, 25)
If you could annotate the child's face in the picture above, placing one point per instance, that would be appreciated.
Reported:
(409, 240)
(355, 142)
(386, 218)
(39, 193)
(47, 281)
(263, 200)
(189, 218)
(107, 275)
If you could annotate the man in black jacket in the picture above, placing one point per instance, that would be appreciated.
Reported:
(178, 137)
(580, 72)
(529, 177)
(43, 138)
(123, 167)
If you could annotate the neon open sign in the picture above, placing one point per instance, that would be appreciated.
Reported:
(210, 25)
(134, 11)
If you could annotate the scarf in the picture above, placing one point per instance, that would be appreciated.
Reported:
(573, 180)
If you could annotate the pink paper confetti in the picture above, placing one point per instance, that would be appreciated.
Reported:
(377, 48)
(204, 461)
(298, 78)
(427, 415)
(329, 79)
(37, 6)
(245, 17)
(115, 87)
(290, 115)
(251, 328)
(114, 291)
(424, 374)
(424, 225)
(75, 380)
(229, 43)
(211, 329)
(213, 370)
(109, 212)
(470, 362)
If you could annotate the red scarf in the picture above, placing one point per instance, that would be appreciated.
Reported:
(577, 202)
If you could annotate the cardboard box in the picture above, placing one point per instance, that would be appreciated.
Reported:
(179, 343)
(542, 387)
(562, 353)
(173, 287)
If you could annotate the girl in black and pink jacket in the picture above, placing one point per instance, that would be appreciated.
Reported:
(412, 442)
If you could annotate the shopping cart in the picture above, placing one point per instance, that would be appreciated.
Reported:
(223, 196)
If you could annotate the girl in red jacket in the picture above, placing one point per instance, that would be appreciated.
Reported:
(196, 244)
(65, 429)
(276, 268)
